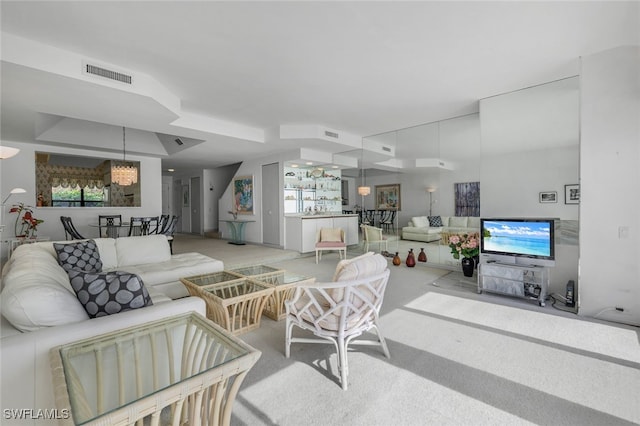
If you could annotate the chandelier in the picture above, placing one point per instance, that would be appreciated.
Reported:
(124, 174)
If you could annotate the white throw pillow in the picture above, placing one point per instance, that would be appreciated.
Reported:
(141, 250)
(362, 266)
(420, 221)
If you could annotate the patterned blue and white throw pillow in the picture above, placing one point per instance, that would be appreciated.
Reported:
(109, 293)
(81, 255)
(435, 221)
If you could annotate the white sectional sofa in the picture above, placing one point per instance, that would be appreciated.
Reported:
(419, 228)
(37, 293)
(40, 310)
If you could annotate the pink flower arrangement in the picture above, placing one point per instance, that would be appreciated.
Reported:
(466, 245)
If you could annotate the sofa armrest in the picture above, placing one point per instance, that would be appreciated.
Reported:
(24, 357)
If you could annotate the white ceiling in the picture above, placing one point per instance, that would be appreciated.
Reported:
(231, 73)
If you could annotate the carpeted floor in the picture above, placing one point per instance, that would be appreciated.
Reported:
(457, 358)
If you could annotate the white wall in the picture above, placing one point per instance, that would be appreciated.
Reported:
(610, 178)
(19, 171)
(214, 183)
(253, 231)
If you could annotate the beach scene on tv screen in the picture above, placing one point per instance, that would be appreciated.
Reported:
(527, 238)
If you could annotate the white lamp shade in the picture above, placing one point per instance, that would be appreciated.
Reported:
(7, 152)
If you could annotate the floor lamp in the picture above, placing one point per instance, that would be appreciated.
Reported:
(13, 191)
(431, 191)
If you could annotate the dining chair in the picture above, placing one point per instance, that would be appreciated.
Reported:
(69, 229)
(163, 223)
(111, 225)
(387, 220)
(143, 226)
(169, 230)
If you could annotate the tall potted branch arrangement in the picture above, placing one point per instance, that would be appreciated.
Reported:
(26, 225)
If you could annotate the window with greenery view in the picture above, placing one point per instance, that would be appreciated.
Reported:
(76, 196)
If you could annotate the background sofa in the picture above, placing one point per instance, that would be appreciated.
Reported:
(37, 293)
(423, 228)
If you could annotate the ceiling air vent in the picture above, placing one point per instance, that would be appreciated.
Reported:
(179, 141)
(331, 134)
(386, 148)
(111, 75)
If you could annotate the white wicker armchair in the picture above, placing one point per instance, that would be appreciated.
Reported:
(340, 311)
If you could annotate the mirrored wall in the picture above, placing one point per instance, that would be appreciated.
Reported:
(515, 158)
(76, 181)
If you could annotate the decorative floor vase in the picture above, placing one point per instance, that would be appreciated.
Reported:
(396, 260)
(411, 259)
(467, 266)
(422, 256)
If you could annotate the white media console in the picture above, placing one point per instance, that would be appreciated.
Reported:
(527, 281)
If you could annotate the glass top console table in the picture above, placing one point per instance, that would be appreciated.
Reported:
(236, 227)
(180, 370)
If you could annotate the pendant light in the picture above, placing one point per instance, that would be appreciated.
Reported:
(363, 190)
(124, 174)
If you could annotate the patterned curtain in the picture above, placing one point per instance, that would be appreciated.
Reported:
(467, 199)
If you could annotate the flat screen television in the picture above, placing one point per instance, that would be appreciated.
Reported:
(524, 241)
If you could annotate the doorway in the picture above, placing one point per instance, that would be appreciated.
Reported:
(196, 222)
(271, 193)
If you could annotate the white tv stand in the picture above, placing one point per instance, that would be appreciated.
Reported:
(530, 282)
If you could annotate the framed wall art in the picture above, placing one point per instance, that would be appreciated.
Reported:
(388, 197)
(243, 194)
(548, 197)
(185, 195)
(572, 194)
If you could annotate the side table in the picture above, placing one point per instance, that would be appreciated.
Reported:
(179, 370)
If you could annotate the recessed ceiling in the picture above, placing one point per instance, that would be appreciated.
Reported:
(240, 70)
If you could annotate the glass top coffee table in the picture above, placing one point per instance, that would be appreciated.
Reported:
(283, 282)
(177, 369)
(233, 301)
(236, 298)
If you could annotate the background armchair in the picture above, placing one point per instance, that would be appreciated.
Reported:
(373, 235)
(330, 239)
(341, 311)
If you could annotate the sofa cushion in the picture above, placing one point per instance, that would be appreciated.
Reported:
(420, 222)
(142, 250)
(425, 231)
(110, 292)
(180, 266)
(37, 302)
(108, 254)
(473, 222)
(458, 222)
(80, 255)
(435, 221)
